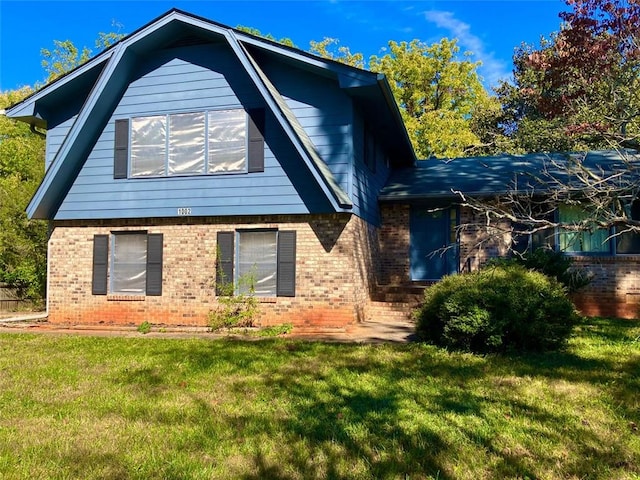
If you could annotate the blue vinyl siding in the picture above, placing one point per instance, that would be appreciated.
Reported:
(55, 137)
(324, 111)
(191, 79)
(366, 183)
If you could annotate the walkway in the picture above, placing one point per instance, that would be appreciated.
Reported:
(379, 331)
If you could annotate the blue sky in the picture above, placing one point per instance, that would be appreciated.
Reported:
(491, 29)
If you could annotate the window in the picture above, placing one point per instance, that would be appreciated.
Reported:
(589, 241)
(629, 242)
(266, 257)
(186, 143)
(194, 143)
(227, 141)
(602, 241)
(127, 263)
(257, 255)
(148, 146)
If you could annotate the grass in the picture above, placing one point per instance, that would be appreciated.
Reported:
(88, 407)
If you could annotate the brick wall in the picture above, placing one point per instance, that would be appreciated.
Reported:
(614, 291)
(336, 260)
(478, 242)
(394, 245)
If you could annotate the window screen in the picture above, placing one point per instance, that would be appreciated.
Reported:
(257, 261)
(129, 264)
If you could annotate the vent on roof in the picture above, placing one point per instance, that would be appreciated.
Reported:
(188, 41)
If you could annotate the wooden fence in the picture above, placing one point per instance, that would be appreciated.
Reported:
(9, 300)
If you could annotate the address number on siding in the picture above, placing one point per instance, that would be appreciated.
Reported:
(184, 211)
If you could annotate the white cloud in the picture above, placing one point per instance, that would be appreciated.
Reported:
(492, 69)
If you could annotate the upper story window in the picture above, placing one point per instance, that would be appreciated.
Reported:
(197, 143)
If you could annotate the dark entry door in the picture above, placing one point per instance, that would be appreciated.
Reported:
(433, 248)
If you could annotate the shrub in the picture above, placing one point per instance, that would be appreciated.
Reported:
(144, 327)
(499, 308)
(554, 264)
(235, 308)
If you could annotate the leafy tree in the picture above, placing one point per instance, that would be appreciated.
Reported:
(65, 56)
(438, 95)
(330, 48)
(254, 31)
(23, 242)
(580, 88)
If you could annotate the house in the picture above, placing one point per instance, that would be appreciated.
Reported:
(190, 154)
(189, 151)
(423, 206)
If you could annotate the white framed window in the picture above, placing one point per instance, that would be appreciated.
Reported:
(187, 132)
(148, 146)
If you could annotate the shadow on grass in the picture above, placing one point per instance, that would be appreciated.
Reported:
(313, 410)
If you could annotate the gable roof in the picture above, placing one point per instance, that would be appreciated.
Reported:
(106, 76)
(499, 175)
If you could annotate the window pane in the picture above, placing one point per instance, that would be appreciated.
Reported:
(129, 264)
(257, 261)
(586, 241)
(148, 146)
(629, 242)
(186, 143)
(227, 141)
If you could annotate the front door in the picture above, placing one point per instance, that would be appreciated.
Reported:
(433, 248)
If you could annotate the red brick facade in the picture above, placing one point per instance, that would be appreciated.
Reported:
(614, 290)
(343, 265)
(335, 270)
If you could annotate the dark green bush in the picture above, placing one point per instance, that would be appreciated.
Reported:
(499, 308)
(554, 264)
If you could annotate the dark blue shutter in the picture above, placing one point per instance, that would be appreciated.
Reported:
(224, 261)
(154, 264)
(256, 140)
(100, 264)
(286, 264)
(121, 149)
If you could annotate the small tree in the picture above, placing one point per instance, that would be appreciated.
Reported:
(237, 303)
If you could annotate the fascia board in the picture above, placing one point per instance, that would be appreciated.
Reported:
(27, 107)
(395, 112)
(348, 76)
(55, 173)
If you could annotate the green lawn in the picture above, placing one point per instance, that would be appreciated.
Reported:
(84, 407)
